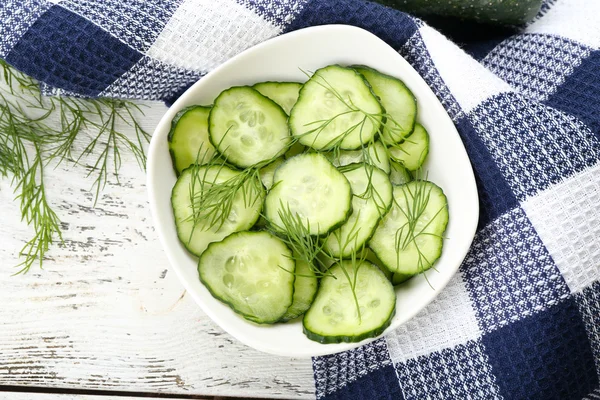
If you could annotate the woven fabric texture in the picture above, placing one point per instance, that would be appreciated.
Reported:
(521, 319)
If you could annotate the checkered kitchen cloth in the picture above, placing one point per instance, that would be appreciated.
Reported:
(521, 319)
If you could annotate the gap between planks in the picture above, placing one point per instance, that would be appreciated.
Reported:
(41, 393)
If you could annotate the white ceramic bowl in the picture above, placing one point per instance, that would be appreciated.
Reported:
(282, 59)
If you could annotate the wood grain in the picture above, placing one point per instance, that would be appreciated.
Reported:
(106, 312)
(53, 396)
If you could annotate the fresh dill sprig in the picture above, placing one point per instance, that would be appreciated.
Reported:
(371, 193)
(213, 198)
(213, 195)
(297, 237)
(335, 144)
(36, 211)
(110, 139)
(20, 139)
(311, 249)
(356, 260)
(36, 130)
(17, 81)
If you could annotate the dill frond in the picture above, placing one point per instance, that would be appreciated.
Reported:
(213, 199)
(415, 204)
(36, 211)
(35, 130)
(297, 237)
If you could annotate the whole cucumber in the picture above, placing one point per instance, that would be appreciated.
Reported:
(502, 12)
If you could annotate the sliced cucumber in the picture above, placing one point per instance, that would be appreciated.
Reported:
(399, 103)
(197, 232)
(372, 197)
(398, 278)
(330, 111)
(260, 224)
(305, 289)
(297, 148)
(267, 173)
(413, 151)
(252, 272)
(399, 175)
(409, 239)
(308, 187)
(368, 255)
(247, 127)
(333, 316)
(188, 138)
(283, 93)
(324, 260)
(375, 155)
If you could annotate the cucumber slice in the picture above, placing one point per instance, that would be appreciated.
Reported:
(283, 93)
(399, 175)
(368, 255)
(333, 317)
(409, 239)
(324, 261)
(297, 148)
(372, 197)
(247, 127)
(267, 173)
(413, 151)
(252, 272)
(398, 278)
(375, 155)
(323, 117)
(188, 138)
(305, 289)
(399, 103)
(260, 224)
(308, 187)
(197, 235)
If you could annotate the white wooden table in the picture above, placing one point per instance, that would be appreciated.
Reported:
(106, 313)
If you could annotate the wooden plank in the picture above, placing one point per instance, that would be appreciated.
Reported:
(106, 313)
(58, 396)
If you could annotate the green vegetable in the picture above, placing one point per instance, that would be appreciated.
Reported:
(375, 154)
(399, 103)
(399, 278)
(248, 128)
(356, 302)
(333, 192)
(211, 202)
(409, 239)
(399, 174)
(503, 12)
(336, 109)
(305, 289)
(253, 273)
(413, 151)
(268, 172)
(188, 138)
(283, 93)
(311, 189)
(371, 199)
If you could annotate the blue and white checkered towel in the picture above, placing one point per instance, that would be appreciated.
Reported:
(521, 320)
